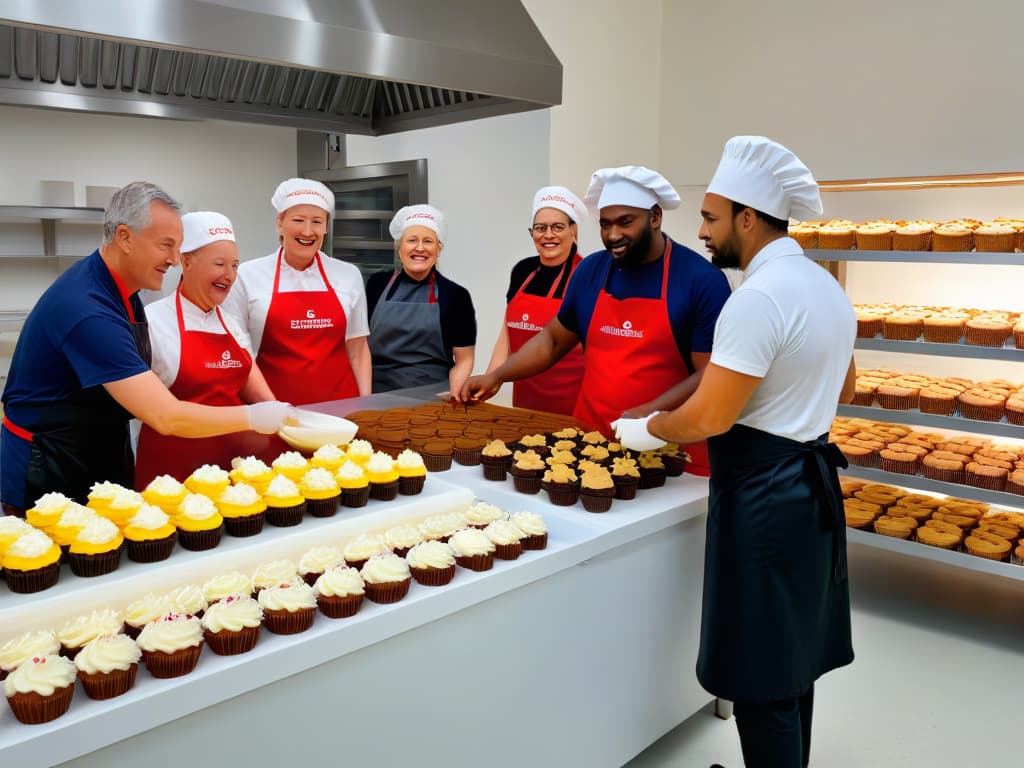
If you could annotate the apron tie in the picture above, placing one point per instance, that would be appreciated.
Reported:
(821, 459)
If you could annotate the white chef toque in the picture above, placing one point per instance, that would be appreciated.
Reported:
(205, 227)
(562, 199)
(302, 192)
(419, 216)
(631, 185)
(764, 175)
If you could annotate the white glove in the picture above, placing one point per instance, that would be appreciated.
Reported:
(269, 416)
(633, 434)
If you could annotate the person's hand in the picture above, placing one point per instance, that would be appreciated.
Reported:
(639, 412)
(633, 434)
(269, 416)
(478, 388)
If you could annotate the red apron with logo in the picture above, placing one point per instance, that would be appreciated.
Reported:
(212, 371)
(555, 390)
(632, 357)
(303, 355)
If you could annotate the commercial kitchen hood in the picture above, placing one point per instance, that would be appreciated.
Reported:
(345, 66)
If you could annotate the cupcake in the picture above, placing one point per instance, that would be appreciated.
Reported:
(339, 592)
(441, 527)
(122, 507)
(431, 563)
(903, 325)
(317, 560)
(944, 465)
(507, 539)
(383, 477)
(939, 397)
(870, 321)
(537, 443)
(626, 477)
(805, 233)
(946, 327)
(897, 527)
(936, 533)
(1018, 333)
(291, 464)
(77, 632)
(272, 573)
(209, 480)
(107, 666)
(480, 514)
(328, 457)
(355, 488)
(985, 476)
(285, 505)
(412, 472)
(990, 329)
(598, 454)
(165, 492)
(150, 536)
(187, 600)
(171, 645)
(101, 494)
(437, 454)
(534, 528)
(222, 585)
(952, 236)
(288, 608)
(859, 514)
(913, 236)
(19, 649)
(401, 538)
(96, 549)
(386, 578)
(838, 234)
(251, 471)
(321, 492)
(597, 489)
(874, 235)
(988, 545)
(232, 625)
(901, 458)
(199, 523)
(472, 549)
(40, 689)
(981, 403)
(562, 485)
(47, 510)
(527, 471)
(362, 548)
(564, 456)
(652, 470)
(359, 451)
(242, 509)
(144, 611)
(496, 459)
(72, 520)
(675, 460)
(11, 528)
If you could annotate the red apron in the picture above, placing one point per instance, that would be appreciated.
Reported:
(213, 370)
(303, 355)
(555, 390)
(631, 358)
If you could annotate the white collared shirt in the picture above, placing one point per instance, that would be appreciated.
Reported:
(249, 300)
(789, 324)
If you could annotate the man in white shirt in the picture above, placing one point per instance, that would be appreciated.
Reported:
(776, 610)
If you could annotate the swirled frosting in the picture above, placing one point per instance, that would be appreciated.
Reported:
(503, 532)
(233, 614)
(108, 653)
(329, 454)
(170, 633)
(16, 650)
(339, 582)
(359, 451)
(51, 503)
(404, 535)
(469, 542)
(439, 526)
(224, 584)
(384, 568)
(364, 546)
(430, 554)
(320, 559)
(319, 479)
(187, 599)
(529, 523)
(482, 513)
(40, 674)
(146, 609)
(289, 596)
(273, 572)
(79, 631)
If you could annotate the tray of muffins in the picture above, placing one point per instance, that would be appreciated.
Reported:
(940, 325)
(1000, 235)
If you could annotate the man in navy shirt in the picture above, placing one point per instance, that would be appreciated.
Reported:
(80, 369)
(644, 309)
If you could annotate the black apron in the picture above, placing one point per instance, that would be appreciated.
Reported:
(86, 440)
(776, 610)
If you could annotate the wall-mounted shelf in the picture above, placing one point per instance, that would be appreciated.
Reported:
(973, 351)
(48, 216)
(937, 486)
(914, 416)
(920, 257)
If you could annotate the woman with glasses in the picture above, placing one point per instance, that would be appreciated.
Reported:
(422, 325)
(534, 296)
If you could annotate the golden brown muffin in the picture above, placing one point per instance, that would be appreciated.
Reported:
(988, 330)
(995, 237)
(947, 536)
(944, 466)
(903, 325)
(988, 545)
(898, 527)
(952, 236)
(913, 236)
(985, 476)
(945, 327)
(981, 403)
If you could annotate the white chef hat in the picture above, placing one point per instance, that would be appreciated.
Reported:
(764, 175)
(562, 199)
(631, 185)
(302, 192)
(205, 227)
(419, 216)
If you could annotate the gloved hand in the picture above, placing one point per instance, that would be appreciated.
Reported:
(633, 434)
(269, 416)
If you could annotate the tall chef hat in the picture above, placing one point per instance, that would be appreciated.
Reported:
(205, 227)
(764, 175)
(562, 199)
(631, 185)
(419, 216)
(302, 192)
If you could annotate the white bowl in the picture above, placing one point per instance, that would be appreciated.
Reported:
(317, 429)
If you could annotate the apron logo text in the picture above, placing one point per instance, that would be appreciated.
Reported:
(626, 330)
(312, 322)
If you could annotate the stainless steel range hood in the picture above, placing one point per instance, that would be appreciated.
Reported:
(346, 66)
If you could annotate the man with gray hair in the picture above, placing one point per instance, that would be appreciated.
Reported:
(80, 370)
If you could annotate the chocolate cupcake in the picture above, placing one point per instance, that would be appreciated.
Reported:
(527, 470)
(562, 485)
(652, 470)
(386, 578)
(412, 472)
(285, 505)
(107, 666)
(321, 492)
(626, 477)
(355, 487)
(288, 608)
(437, 455)
(597, 489)
(431, 563)
(467, 451)
(171, 645)
(534, 528)
(232, 625)
(40, 689)
(339, 592)
(496, 458)
(472, 549)
(507, 539)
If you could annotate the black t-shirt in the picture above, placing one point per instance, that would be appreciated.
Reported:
(545, 278)
(458, 318)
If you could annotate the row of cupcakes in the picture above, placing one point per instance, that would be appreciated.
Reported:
(946, 325)
(1001, 235)
(988, 400)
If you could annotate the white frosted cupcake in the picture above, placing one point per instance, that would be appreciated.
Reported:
(362, 548)
(96, 549)
(473, 550)
(321, 492)
(40, 689)
(77, 632)
(317, 560)
(143, 611)
(328, 457)
(431, 563)
(107, 666)
(18, 649)
(440, 527)
(289, 607)
(480, 514)
(272, 573)
(386, 577)
(507, 539)
(291, 464)
(188, 600)
(171, 645)
(224, 584)
(199, 523)
(401, 538)
(533, 525)
(232, 625)
(339, 592)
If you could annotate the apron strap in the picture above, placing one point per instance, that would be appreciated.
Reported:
(17, 431)
(432, 283)
(822, 459)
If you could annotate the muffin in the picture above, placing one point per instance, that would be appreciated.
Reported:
(412, 472)
(383, 477)
(272, 573)
(472, 549)
(990, 329)
(995, 237)
(431, 563)
(939, 397)
(242, 509)
(96, 549)
(805, 233)
(199, 523)
(251, 471)
(47, 510)
(321, 492)
(291, 464)
(903, 325)
(981, 403)
(401, 538)
(165, 492)
(652, 470)
(901, 458)
(187, 600)
(107, 666)
(317, 560)
(328, 457)
(1018, 333)
(144, 611)
(563, 456)
(209, 480)
(507, 539)
(537, 443)
(902, 392)
(355, 487)
(946, 327)
(497, 460)
(224, 584)
(339, 592)
(875, 235)
(898, 527)
(171, 645)
(952, 236)
(40, 689)
(362, 548)
(149, 535)
(838, 234)
(79, 631)
(987, 545)
(285, 505)
(232, 625)
(441, 527)
(18, 649)
(936, 533)
(386, 578)
(527, 470)
(1015, 482)
(985, 476)
(480, 514)
(288, 608)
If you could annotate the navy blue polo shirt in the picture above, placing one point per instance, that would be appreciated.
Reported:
(696, 292)
(76, 337)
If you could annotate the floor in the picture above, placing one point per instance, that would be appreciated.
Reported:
(937, 681)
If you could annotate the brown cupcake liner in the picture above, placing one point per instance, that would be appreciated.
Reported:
(384, 491)
(868, 329)
(323, 507)
(433, 577)
(562, 494)
(897, 402)
(410, 486)
(987, 555)
(496, 467)
(865, 460)
(35, 580)
(952, 243)
(942, 334)
(355, 497)
(151, 550)
(437, 462)
(476, 562)
(864, 398)
(535, 542)
(1012, 487)
(951, 546)
(1015, 417)
(625, 487)
(921, 241)
(836, 241)
(900, 467)
(166, 665)
(508, 551)
(526, 483)
(225, 643)
(400, 551)
(311, 577)
(983, 481)
(806, 240)
(467, 457)
(337, 607)
(1018, 339)
(68, 652)
(357, 564)
(387, 591)
(995, 243)
(902, 332)
(597, 500)
(940, 406)
(89, 566)
(944, 475)
(980, 412)
(200, 541)
(286, 517)
(241, 527)
(288, 622)
(675, 465)
(874, 242)
(985, 337)
(102, 686)
(651, 478)
(33, 708)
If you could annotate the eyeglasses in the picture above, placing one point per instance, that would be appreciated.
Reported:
(557, 228)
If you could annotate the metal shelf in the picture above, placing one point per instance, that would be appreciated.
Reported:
(973, 351)
(50, 213)
(937, 486)
(920, 257)
(914, 416)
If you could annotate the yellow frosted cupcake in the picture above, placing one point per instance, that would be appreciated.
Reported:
(412, 472)
(165, 492)
(32, 563)
(359, 451)
(321, 492)
(74, 518)
(11, 528)
(198, 522)
(355, 488)
(329, 457)
(242, 509)
(251, 471)
(122, 507)
(96, 549)
(383, 477)
(150, 535)
(285, 505)
(47, 510)
(101, 494)
(209, 480)
(291, 464)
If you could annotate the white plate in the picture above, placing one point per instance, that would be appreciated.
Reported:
(316, 429)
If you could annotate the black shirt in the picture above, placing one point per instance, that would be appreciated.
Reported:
(546, 276)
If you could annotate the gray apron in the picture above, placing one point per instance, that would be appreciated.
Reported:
(406, 342)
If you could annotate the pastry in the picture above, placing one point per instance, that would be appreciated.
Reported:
(507, 539)
(291, 464)
(437, 454)
(242, 509)
(901, 458)
(230, 583)
(285, 505)
(358, 551)
(209, 480)
(96, 549)
(171, 645)
(79, 631)
(805, 233)
(321, 492)
(496, 458)
(431, 563)
(359, 451)
(652, 470)
(945, 466)
(981, 403)
(561, 484)
(329, 457)
(143, 611)
(401, 538)
(875, 235)
(626, 477)
(527, 471)
(441, 527)
(985, 476)
(317, 560)
(47, 510)
(273, 572)
(18, 649)
(903, 325)
(150, 535)
(913, 236)
(339, 592)
(251, 471)
(467, 450)
(597, 489)
(860, 514)
(40, 689)
(412, 472)
(534, 528)
(480, 514)
(939, 397)
(11, 528)
(898, 527)
(187, 600)
(355, 487)
(72, 520)
(288, 607)
(988, 545)
(996, 237)
(386, 578)
(952, 236)
(199, 523)
(837, 234)
(472, 549)
(232, 625)
(936, 533)
(165, 492)
(383, 477)
(107, 666)
(946, 327)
